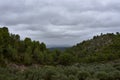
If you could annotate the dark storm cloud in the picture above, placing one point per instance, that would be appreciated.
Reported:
(60, 22)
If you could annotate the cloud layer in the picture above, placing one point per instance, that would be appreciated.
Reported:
(60, 22)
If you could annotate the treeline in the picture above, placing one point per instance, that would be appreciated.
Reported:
(13, 49)
(27, 52)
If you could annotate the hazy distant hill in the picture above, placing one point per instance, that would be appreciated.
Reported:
(58, 48)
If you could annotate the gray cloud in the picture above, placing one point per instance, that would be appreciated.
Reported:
(60, 22)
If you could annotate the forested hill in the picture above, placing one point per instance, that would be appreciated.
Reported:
(105, 47)
(100, 48)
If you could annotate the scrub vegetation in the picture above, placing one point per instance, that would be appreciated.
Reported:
(93, 59)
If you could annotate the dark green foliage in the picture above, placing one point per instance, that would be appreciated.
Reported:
(66, 58)
(102, 75)
(96, 71)
(29, 60)
(101, 48)
(14, 50)
(82, 75)
(29, 52)
(26, 51)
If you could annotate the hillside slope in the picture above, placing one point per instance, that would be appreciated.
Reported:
(103, 47)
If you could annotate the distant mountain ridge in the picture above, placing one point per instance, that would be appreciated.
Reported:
(58, 48)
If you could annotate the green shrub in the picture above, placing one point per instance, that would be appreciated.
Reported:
(101, 75)
(82, 75)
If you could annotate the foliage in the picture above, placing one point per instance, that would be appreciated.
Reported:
(28, 52)
(94, 59)
(105, 47)
(14, 50)
(96, 71)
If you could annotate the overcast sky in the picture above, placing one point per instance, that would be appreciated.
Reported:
(60, 22)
